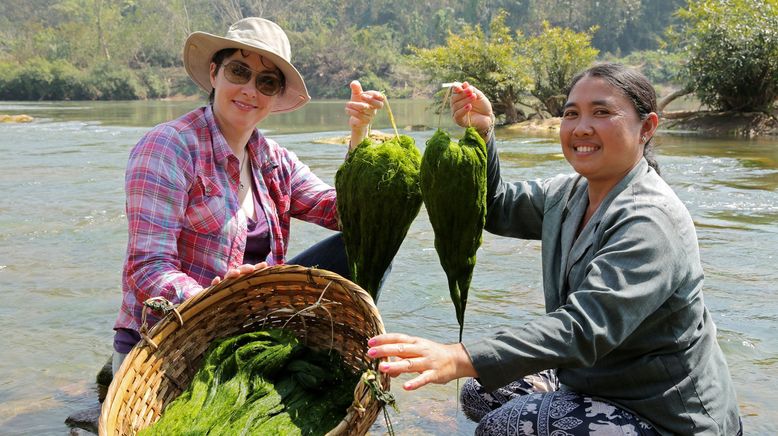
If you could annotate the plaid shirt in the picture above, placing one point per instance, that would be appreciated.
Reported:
(185, 223)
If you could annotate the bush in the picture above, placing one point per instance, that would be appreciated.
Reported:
(732, 47)
(659, 66)
(556, 56)
(116, 83)
(40, 79)
(491, 61)
(155, 83)
(8, 70)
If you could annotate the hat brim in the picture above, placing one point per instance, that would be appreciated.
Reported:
(200, 48)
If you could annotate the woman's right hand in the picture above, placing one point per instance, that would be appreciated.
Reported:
(470, 107)
(434, 362)
(361, 108)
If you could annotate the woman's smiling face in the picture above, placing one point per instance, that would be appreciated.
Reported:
(601, 131)
(240, 108)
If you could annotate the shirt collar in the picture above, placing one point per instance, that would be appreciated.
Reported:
(639, 169)
(221, 150)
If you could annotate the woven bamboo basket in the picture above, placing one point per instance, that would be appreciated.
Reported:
(324, 310)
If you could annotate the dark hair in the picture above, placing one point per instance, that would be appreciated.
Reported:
(223, 54)
(217, 59)
(635, 86)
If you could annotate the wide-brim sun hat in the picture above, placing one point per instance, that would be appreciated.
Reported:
(253, 34)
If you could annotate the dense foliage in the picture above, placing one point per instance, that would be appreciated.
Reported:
(334, 41)
(491, 62)
(509, 67)
(556, 55)
(732, 48)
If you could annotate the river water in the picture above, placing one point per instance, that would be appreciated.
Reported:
(63, 236)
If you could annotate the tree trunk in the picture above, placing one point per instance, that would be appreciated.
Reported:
(512, 112)
(670, 98)
(100, 37)
(555, 105)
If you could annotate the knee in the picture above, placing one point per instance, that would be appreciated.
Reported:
(473, 405)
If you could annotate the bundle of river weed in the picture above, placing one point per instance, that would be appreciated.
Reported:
(378, 198)
(262, 382)
(453, 182)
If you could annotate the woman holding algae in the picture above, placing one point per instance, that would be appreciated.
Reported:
(208, 195)
(627, 345)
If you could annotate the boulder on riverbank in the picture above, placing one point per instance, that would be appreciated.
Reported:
(22, 118)
(536, 125)
(375, 135)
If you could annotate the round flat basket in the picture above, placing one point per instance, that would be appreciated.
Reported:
(324, 310)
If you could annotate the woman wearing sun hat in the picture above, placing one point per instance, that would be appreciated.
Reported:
(207, 195)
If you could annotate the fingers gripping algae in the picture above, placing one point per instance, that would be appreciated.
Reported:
(378, 197)
(453, 186)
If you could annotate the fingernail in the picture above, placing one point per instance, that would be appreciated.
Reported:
(384, 367)
(372, 352)
(371, 342)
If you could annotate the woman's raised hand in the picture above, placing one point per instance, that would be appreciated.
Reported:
(470, 107)
(361, 108)
(434, 362)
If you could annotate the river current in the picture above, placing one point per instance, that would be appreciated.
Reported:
(63, 237)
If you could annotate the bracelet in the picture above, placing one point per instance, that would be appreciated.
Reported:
(490, 130)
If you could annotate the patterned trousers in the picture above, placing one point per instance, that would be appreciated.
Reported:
(534, 405)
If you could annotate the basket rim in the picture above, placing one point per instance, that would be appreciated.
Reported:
(193, 306)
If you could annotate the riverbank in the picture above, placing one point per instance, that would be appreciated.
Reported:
(710, 123)
(705, 123)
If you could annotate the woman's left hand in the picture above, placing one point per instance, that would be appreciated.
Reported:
(239, 271)
(434, 362)
(470, 107)
(361, 109)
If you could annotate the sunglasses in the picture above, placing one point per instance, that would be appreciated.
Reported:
(267, 82)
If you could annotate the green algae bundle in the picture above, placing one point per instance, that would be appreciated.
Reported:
(453, 186)
(259, 383)
(378, 197)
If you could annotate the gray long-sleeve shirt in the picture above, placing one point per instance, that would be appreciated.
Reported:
(625, 315)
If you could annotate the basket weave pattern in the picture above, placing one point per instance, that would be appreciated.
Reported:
(324, 310)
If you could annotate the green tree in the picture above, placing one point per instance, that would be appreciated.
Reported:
(490, 62)
(732, 47)
(556, 55)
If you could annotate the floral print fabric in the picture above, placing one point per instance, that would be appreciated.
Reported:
(534, 405)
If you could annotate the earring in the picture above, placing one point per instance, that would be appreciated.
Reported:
(643, 139)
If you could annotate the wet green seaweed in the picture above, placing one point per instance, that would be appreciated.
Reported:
(260, 383)
(378, 198)
(453, 182)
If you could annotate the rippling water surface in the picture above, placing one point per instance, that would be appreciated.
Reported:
(63, 236)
